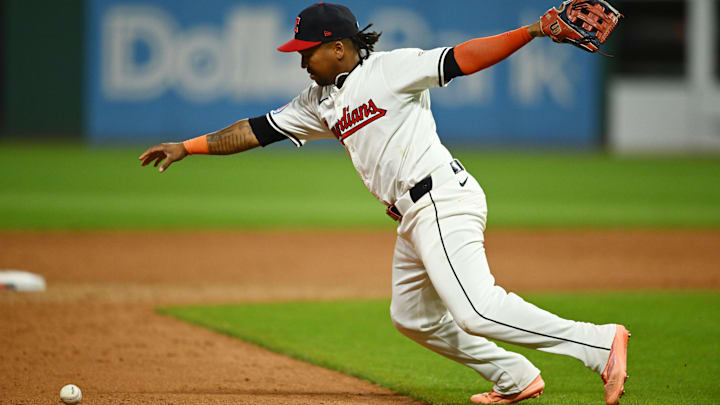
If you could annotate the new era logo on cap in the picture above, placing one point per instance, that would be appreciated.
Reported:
(321, 22)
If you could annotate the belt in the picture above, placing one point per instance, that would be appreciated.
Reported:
(438, 176)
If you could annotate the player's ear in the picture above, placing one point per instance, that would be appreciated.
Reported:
(339, 49)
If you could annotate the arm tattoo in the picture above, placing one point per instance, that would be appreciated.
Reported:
(233, 139)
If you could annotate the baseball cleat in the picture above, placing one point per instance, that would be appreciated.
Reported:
(615, 372)
(531, 391)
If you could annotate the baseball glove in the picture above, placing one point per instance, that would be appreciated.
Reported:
(583, 23)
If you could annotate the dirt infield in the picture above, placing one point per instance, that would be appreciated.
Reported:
(95, 325)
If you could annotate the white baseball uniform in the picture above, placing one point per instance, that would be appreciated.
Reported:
(444, 296)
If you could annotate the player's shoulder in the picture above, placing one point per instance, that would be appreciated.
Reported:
(392, 56)
(313, 93)
(400, 55)
(395, 54)
(382, 55)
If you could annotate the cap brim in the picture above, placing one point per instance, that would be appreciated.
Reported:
(295, 45)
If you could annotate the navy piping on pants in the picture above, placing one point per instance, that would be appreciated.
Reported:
(437, 220)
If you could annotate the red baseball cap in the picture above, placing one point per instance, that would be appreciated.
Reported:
(321, 22)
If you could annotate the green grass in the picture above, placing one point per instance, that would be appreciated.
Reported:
(60, 186)
(673, 357)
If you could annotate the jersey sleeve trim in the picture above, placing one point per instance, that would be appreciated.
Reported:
(277, 128)
(264, 133)
(441, 68)
(451, 69)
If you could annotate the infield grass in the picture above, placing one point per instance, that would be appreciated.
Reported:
(673, 354)
(65, 186)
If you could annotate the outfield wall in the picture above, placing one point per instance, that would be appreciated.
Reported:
(120, 70)
(180, 67)
(675, 110)
(42, 77)
(117, 71)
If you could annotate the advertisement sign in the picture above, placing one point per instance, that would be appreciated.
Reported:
(173, 69)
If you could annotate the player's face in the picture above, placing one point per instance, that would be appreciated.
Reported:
(321, 62)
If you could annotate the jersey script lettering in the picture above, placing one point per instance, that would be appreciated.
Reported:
(352, 120)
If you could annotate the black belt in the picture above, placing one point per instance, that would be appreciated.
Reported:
(421, 188)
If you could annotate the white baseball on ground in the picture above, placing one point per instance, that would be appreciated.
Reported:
(70, 394)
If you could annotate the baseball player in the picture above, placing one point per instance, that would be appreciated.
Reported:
(377, 105)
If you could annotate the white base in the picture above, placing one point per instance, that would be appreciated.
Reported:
(21, 281)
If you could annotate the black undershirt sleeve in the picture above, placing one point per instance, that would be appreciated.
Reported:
(450, 66)
(264, 133)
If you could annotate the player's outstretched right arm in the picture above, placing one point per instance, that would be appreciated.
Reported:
(238, 137)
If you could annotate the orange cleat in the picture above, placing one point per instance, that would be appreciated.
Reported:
(531, 391)
(615, 372)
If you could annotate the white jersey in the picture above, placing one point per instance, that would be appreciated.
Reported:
(444, 295)
(381, 114)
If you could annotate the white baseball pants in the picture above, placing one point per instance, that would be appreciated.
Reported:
(445, 298)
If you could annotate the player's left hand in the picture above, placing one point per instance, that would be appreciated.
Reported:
(169, 152)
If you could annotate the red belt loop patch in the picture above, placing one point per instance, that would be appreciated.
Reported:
(393, 213)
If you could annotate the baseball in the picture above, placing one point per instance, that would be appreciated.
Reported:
(70, 394)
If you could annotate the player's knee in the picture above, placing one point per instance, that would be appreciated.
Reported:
(401, 321)
(402, 327)
(417, 328)
(464, 325)
(406, 324)
(471, 325)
